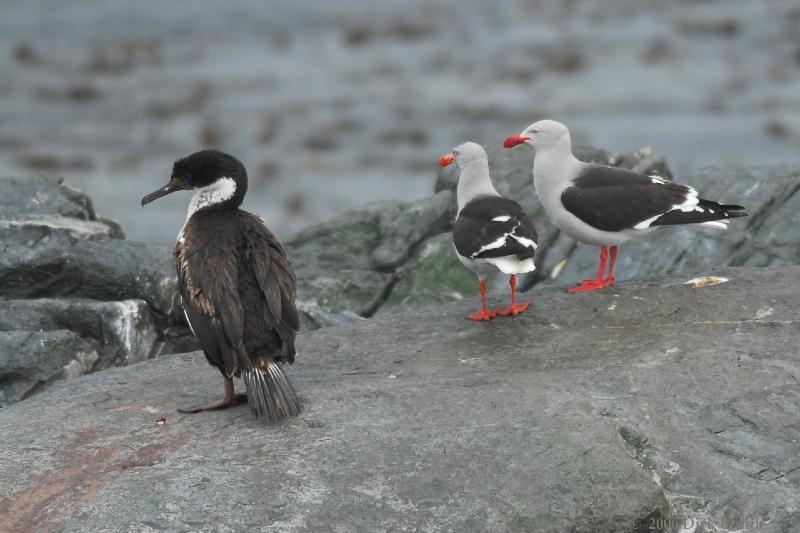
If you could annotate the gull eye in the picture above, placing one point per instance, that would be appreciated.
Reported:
(455, 152)
(534, 131)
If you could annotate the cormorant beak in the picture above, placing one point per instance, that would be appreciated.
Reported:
(446, 160)
(173, 185)
(511, 142)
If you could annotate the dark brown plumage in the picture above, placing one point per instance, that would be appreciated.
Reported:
(238, 287)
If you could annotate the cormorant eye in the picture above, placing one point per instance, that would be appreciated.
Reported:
(188, 178)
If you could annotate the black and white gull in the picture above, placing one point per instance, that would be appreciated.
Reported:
(490, 231)
(607, 206)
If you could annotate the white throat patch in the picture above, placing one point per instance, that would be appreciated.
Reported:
(221, 190)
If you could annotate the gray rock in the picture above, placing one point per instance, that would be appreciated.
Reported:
(402, 232)
(60, 272)
(33, 208)
(122, 332)
(40, 196)
(432, 276)
(103, 270)
(32, 360)
(599, 412)
(388, 256)
(346, 266)
(358, 291)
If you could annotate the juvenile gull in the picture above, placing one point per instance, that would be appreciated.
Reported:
(490, 231)
(607, 206)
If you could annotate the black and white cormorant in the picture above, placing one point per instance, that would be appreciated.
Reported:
(237, 285)
(490, 231)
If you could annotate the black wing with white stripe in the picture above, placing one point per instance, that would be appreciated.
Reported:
(616, 199)
(492, 226)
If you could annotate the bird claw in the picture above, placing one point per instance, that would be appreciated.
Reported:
(587, 286)
(593, 285)
(514, 309)
(217, 404)
(482, 314)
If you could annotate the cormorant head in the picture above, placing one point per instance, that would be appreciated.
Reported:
(220, 177)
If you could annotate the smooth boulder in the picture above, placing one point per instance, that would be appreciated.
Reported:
(671, 401)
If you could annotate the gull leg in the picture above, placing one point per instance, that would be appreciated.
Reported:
(515, 308)
(609, 281)
(230, 399)
(483, 313)
(596, 283)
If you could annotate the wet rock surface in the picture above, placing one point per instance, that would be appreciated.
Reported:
(652, 406)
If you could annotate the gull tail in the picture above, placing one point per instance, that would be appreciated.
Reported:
(706, 213)
(270, 394)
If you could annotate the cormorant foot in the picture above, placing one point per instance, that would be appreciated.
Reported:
(236, 399)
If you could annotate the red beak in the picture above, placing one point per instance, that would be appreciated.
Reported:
(511, 142)
(446, 160)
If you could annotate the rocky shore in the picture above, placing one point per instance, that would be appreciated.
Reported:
(78, 297)
(656, 406)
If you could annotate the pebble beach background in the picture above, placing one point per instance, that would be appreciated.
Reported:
(334, 104)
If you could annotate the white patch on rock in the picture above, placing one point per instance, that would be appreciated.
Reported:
(672, 468)
(126, 324)
(706, 281)
(764, 312)
(81, 365)
(558, 268)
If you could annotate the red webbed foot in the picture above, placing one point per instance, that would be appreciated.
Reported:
(482, 314)
(514, 309)
(588, 286)
(609, 281)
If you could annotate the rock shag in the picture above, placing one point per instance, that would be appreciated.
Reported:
(237, 285)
